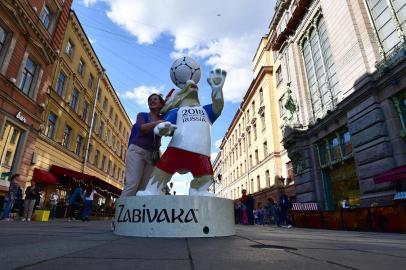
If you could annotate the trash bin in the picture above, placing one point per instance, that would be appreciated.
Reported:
(42, 215)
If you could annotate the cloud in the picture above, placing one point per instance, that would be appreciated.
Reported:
(213, 156)
(218, 143)
(141, 93)
(222, 34)
(92, 40)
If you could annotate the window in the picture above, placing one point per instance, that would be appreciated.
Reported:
(256, 157)
(111, 112)
(81, 67)
(320, 70)
(389, 22)
(67, 134)
(60, 84)
(258, 183)
(94, 122)
(96, 158)
(400, 104)
(114, 171)
(85, 111)
(69, 49)
(74, 99)
(51, 125)
(261, 96)
(46, 17)
(263, 121)
(250, 161)
(265, 149)
(3, 43)
(79, 145)
(27, 78)
(103, 163)
(105, 104)
(89, 151)
(108, 136)
(109, 167)
(16, 134)
(115, 120)
(267, 179)
(254, 127)
(90, 81)
(101, 129)
(335, 148)
(278, 76)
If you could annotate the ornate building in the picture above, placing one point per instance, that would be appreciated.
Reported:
(251, 155)
(31, 34)
(86, 129)
(341, 70)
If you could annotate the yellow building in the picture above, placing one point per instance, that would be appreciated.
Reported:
(251, 155)
(86, 128)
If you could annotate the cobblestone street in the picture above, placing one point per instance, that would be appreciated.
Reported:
(78, 245)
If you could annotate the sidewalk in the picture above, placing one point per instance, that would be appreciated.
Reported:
(91, 245)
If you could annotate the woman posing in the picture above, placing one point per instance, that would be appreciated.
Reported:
(142, 143)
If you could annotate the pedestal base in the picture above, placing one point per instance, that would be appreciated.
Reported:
(174, 216)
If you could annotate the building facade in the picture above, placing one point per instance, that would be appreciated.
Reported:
(31, 34)
(341, 67)
(86, 129)
(251, 154)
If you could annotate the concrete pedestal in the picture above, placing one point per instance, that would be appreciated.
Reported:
(174, 216)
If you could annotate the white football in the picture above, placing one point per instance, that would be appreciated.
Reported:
(184, 69)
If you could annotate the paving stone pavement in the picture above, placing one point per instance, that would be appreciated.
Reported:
(77, 245)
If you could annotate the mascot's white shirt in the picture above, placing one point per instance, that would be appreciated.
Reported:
(193, 131)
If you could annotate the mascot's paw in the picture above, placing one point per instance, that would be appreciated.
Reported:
(164, 129)
(217, 78)
(196, 192)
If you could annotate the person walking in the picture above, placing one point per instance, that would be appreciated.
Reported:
(284, 206)
(88, 195)
(11, 196)
(31, 195)
(143, 143)
(75, 200)
(53, 202)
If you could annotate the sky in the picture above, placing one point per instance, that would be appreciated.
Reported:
(138, 40)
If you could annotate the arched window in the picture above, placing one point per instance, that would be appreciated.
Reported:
(320, 69)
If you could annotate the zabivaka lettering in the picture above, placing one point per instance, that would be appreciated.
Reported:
(147, 215)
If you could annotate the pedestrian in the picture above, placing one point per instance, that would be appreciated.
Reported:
(75, 201)
(11, 196)
(243, 207)
(142, 146)
(53, 202)
(31, 196)
(88, 195)
(250, 208)
(283, 206)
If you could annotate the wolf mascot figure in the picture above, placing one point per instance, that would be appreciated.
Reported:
(189, 124)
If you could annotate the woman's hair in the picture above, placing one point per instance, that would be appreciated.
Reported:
(14, 176)
(161, 99)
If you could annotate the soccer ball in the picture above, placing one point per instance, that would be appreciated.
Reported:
(185, 69)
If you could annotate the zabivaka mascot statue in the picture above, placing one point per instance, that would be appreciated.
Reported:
(152, 214)
(189, 124)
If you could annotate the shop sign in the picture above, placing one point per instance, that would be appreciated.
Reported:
(20, 117)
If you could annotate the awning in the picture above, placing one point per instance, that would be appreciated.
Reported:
(396, 174)
(98, 184)
(41, 176)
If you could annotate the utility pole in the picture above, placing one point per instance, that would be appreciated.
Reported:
(89, 137)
